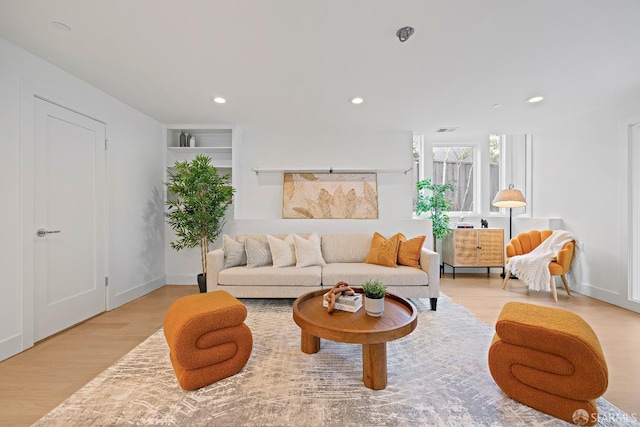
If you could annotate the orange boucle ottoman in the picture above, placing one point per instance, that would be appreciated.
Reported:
(549, 359)
(207, 338)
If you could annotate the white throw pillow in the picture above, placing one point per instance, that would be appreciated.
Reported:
(234, 252)
(258, 253)
(283, 252)
(308, 251)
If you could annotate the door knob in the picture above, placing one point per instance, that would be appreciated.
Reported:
(41, 232)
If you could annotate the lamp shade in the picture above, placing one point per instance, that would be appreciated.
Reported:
(510, 198)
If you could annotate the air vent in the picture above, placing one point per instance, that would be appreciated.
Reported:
(443, 130)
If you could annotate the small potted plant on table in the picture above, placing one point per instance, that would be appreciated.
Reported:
(374, 293)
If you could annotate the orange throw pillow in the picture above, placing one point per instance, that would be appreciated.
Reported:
(384, 251)
(409, 250)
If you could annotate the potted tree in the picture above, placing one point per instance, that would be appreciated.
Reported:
(437, 205)
(199, 198)
(374, 293)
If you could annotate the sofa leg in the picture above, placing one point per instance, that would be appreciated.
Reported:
(434, 303)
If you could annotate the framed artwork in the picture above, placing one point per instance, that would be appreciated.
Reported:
(330, 196)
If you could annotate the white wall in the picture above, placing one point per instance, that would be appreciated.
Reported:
(134, 179)
(580, 174)
(259, 196)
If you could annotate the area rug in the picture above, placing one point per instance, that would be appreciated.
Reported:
(437, 376)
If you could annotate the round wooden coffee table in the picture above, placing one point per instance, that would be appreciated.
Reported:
(398, 320)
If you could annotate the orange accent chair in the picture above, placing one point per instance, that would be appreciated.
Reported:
(524, 243)
(207, 338)
(549, 359)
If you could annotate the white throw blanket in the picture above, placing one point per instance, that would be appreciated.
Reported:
(533, 268)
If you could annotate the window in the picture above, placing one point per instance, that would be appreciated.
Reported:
(495, 184)
(455, 165)
(418, 169)
(479, 169)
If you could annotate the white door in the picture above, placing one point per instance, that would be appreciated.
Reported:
(69, 234)
(634, 223)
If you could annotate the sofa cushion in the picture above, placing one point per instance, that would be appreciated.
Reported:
(356, 273)
(346, 247)
(234, 252)
(269, 276)
(258, 253)
(308, 251)
(282, 251)
(409, 250)
(384, 251)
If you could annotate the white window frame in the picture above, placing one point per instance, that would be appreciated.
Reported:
(516, 157)
(515, 168)
(476, 157)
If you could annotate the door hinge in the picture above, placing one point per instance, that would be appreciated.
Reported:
(106, 144)
(106, 281)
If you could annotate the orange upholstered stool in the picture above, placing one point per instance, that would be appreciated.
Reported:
(207, 338)
(549, 359)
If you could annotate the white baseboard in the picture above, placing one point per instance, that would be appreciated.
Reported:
(596, 292)
(11, 346)
(116, 300)
(609, 296)
(182, 279)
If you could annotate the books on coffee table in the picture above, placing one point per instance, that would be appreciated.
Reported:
(350, 303)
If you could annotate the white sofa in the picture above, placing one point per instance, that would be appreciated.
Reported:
(344, 255)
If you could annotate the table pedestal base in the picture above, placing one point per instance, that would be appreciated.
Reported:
(374, 360)
(374, 365)
(308, 343)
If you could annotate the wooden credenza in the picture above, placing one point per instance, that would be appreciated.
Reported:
(473, 247)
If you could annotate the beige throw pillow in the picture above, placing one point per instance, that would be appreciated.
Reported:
(282, 251)
(308, 251)
(234, 252)
(258, 253)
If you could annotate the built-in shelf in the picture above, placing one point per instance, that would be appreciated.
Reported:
(214, 141)
(329, 170)
(201, 149)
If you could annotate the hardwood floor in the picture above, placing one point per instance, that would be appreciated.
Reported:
(617, 329)
(37, 380)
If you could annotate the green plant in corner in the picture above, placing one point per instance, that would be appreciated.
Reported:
(198, 201)
(436, 204)
(374, 289)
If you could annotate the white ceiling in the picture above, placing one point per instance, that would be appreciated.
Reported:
(297, 62)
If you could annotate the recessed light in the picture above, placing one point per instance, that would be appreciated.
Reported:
(61, 26)
(496, 106)
(219, 100)
(534, 99)
(356, 100)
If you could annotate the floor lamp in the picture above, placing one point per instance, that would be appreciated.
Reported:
(509, 198)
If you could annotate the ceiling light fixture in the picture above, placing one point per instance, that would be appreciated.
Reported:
(404, 33)
(219, 100)
(535, 99)
(61, 26)
(496, 105)
(356, 100)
